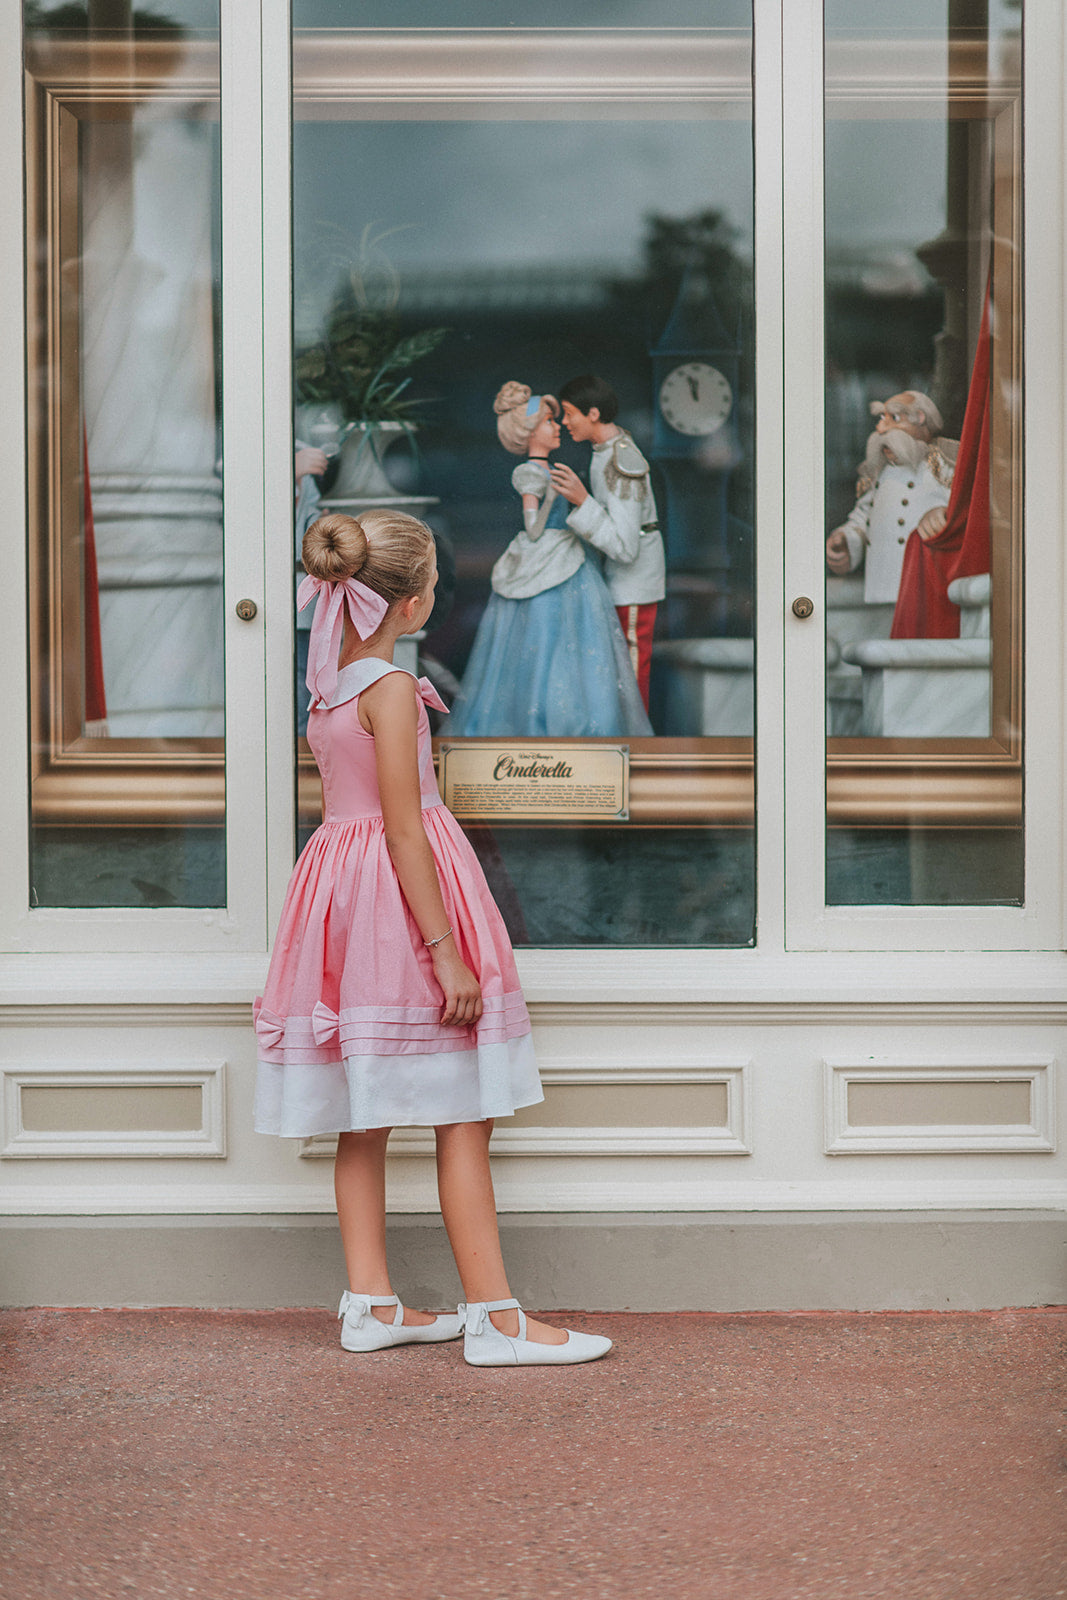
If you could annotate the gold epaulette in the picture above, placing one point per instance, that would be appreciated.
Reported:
(627, 457)
(941, 459)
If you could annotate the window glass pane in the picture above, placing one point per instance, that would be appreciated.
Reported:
(125, 512)
(535, 210)
(923, 452)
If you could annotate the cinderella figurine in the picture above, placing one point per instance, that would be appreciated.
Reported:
(549, 657)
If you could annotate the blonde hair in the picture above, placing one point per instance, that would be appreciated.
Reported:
(390, 552)
(514, 424)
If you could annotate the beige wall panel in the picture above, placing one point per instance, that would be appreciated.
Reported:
(940, 1105)
(622, 1105)
(928, 1105)
(112, 1109)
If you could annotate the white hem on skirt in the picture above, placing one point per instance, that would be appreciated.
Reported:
(397, 1091)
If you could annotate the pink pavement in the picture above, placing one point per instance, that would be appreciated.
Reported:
(244, 1456)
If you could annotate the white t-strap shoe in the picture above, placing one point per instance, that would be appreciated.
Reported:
(361, 1330)
(485, 1346)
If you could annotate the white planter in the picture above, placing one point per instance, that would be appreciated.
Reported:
(362, 473)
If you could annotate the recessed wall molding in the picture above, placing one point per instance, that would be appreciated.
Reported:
(762, 1010)
(730, 1138)
(139, 1014)
(49, 1110)
(932, 1105)
(791, 1012)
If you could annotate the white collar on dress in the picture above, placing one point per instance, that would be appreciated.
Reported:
(359, 675)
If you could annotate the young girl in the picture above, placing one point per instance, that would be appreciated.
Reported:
(392, 996)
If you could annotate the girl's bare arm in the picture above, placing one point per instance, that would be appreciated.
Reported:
(390, 709)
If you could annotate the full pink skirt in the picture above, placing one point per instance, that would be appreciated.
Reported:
(348, 1025)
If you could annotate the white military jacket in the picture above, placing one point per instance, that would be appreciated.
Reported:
(619, 519)
(878, 525)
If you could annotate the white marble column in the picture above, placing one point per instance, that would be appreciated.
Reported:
(849, 619)
(924, 688)
(710, 686)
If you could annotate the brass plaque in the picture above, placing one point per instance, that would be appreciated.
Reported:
(570, 782)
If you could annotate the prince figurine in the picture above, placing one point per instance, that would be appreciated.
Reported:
(618, 517)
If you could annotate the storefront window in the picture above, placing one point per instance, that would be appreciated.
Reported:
(487, 214)
(923, 452)
(125, 508)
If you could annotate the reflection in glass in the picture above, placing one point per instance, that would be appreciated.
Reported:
(486, 14)
(923, 437)
(126, 497)
(553, 234)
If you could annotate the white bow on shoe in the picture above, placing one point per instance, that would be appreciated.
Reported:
(485, 1346)
(361, 1330)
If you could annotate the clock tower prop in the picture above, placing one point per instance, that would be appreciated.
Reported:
(696, 370)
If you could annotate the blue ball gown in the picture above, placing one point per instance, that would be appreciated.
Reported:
(552, 664)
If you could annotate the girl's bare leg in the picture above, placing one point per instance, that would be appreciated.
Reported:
(359, 1187)
(468, 1206)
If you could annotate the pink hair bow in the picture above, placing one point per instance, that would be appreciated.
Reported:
(364, 607)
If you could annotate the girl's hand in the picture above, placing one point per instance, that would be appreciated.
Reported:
(463, 994)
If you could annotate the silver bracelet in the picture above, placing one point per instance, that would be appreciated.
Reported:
(431, 943)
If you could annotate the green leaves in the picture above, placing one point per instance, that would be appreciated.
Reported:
(311, 365)
(353, 365)
(416, 346)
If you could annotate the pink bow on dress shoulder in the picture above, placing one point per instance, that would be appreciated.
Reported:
(429, 695)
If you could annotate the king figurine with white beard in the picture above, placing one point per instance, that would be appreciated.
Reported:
(903, 484)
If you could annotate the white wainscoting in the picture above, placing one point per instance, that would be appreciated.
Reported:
(18, 1142)
(1037, 1135)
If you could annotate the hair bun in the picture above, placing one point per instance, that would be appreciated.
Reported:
(334, 548)
(511, 396)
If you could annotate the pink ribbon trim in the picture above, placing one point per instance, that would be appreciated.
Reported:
(429, 695)
(270, 1030)
(366, 610)
(324, 1023)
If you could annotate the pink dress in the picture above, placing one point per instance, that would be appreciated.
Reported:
(349, 1024)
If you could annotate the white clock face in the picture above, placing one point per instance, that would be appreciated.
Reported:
(695, 398)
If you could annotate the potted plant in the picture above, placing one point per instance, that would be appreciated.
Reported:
(358, 373)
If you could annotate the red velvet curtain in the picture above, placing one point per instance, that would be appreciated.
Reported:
(961, 549)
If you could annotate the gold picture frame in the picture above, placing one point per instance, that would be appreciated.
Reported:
(78, 779)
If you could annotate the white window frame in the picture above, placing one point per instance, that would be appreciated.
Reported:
(240, 927)
(1038, 924)
(815, 954)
